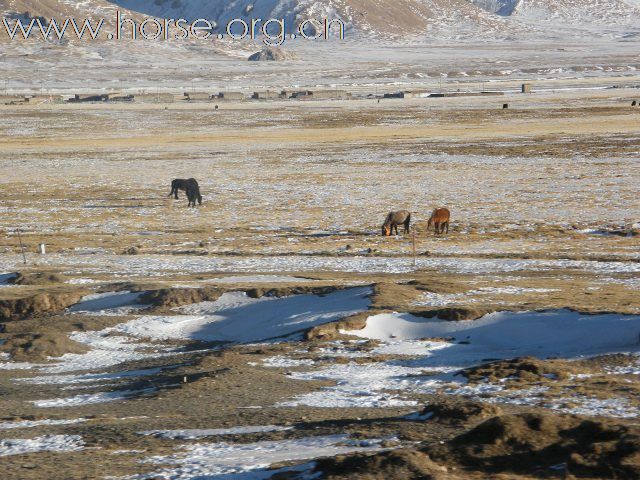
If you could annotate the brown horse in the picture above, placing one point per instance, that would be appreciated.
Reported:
(401, 217)
(440, 220)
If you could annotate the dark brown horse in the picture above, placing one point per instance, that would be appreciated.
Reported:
(190, 187)
(401, 217)
(440, 220)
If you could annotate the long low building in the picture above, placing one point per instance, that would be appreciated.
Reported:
(321, 95)
(13, 99)
(153, 98)
(266, 95)
(231, 96)
(198, 96)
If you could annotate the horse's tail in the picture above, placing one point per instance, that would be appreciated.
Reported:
(199, 199)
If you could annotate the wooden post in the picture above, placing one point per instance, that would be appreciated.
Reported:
(24, 257)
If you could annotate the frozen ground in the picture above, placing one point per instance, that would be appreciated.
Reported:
(233, 367)
(432, 364)
(247, 461)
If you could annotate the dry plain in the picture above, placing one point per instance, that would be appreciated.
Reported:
(150, 331)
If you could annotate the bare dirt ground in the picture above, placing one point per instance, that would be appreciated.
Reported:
(545, 222)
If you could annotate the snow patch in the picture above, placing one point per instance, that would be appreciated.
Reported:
(109, 303)
(47, 443)
(38, 423)
(91, 398)
(192, 434)
(232, 460)
(235, 317)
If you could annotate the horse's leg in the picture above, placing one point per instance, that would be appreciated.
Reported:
(407, 227)
(396, 226)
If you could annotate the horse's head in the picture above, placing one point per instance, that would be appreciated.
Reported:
(386, 230)
(430, 222)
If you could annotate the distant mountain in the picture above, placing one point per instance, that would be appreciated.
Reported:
(447, 19)
(433, 20)
(574, 13)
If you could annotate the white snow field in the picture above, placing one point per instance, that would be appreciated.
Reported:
(47, 443)
(560, 333)
(166, 265)
(248, 461)
(109, 303)
(37, 423)
(235, 317)
(431, 365)
(191, 434)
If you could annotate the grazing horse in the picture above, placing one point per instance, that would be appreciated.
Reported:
(440, 220)
(179, 184)
(190, 187)
(193, 192)
(401, 217)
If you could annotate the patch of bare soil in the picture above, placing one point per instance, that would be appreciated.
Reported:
(38, 347)
(176, 297)
(397, 464)
(524, 369)
(38, 304)
(38, 278)
(167, 298)
(389, 295)
(454, 410)
(331, 330)
(455, 314)
(535, 442)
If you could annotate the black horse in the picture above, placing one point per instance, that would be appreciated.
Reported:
(190, 187)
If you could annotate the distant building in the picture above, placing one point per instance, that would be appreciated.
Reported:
(408, 94)
(265, 95)
(321, 95)
(89, 97)
(37, 99)
(153, 98)
(464, 94)
(197, 96)
(13, 99)
(236, 96)
(527, 88)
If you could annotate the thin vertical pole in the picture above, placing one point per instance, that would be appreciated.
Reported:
(24, 257)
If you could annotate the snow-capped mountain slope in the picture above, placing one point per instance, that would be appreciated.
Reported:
(575, 13)
(499, 7)
(60, 8)
(389, 18)
(433, 20)
(398, 18)
(221, 12)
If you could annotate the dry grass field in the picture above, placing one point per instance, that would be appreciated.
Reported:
(150, 331)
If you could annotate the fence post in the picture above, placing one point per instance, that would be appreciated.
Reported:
(24, 257)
